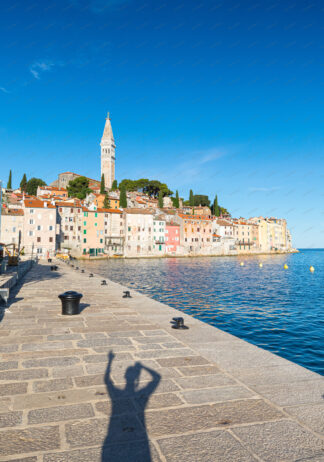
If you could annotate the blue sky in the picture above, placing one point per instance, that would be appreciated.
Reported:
(221, 97)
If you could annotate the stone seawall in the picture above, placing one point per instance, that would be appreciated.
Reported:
(116, 383)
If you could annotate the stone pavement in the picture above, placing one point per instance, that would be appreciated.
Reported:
(196, 395)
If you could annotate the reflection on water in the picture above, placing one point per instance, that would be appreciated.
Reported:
(276, 309)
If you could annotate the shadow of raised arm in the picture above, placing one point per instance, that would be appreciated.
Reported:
(150, 387)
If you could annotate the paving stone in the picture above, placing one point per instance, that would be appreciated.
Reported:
(312, 415)
(204, 447)
(158, 401)
(121, 406)
(123, 428)
(8, 389)
(30, 440)
(24, 374)
(155, 332)
(73, 371)
(5, 404)
(117, 348)
(208, 395)
(103, 342)
(60, 413)
(135, 451)
(134, 333)
(4, 366)
(283, 440)
(25, 355)
(164, 386)
(52, 385)
(10, 419)
(89, 380)
(46, 346)
(199, 382)
(293, 393)
(163, 353)
(51, 362)
(182, 361)
(100, 358)
(8, 348)
(73, 396)
(52, 338)
(22, 339)
(198, 370)
(154, 339)
(25, 459)
(204, 417)
(119, 368)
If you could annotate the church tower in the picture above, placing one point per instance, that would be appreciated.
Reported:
(108, 154)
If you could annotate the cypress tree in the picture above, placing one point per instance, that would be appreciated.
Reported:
(191, 198)
(9, 185)
(176, 201)
(106, 203)
(160, 200)
(216, 209)
(102, 184)
(23, 183)
(123, 198)
(114, 185)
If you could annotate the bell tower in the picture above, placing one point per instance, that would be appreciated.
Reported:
(108, 154)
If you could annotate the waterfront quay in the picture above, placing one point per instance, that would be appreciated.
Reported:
(117, 383)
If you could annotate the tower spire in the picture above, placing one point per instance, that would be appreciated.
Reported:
(108, 133)
(108, 154)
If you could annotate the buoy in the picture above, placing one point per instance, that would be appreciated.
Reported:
(285, 266)
(242, 263)
(261, 265)
(312, 269)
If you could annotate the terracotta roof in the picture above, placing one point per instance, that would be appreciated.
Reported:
(172, 224)
(36, 203)
(139, 211)
(110, 210)
(224, 222)
(194, 217)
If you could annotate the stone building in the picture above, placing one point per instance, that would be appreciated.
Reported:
(108, 154)
(138, 233)
(12, 221)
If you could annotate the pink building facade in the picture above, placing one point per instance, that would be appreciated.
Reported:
(172, 237)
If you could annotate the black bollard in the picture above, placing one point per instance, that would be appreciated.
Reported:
(82, 271)
(70, 302)
(90, 275)
(178, 323)
(72, 266)
(76, 268)
(103, 282)
(49, 260)
(127, 294)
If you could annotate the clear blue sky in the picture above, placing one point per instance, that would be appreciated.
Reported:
(221, 97)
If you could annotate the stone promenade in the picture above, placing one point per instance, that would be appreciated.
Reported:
(117, 383)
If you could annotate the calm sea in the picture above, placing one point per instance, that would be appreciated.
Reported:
(277, 309)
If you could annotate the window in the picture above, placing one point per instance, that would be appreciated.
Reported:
(71, 228)
(95, 224)
(39, 228)
(79, 228)
(84, 231)
(60, 209)
(13, 229)
(84, 240)
(31, 211)
(40, 250)
(38, 239)
(101, 241)
(66, 227)
(51, 239)
(70, 219)
(31, 222)
(129, 228)
(85, 214)
(71, 210)
(138, 228)
(50, 228)
(78, 210)
(96, 214)
(31, 233)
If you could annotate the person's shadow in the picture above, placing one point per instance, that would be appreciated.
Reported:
(127, 420)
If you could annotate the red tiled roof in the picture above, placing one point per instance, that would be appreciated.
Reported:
(36, 203)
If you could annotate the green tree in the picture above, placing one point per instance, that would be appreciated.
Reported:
(176, 202)
(9, 185)
(32, 185)
(216, 210)
(23, 183)
(122, 197)
(191, 198)
(224, 212)
(160, 199)
(79, 187)
(199, 199)
(106, 203)
(114, 186)
(102, 184)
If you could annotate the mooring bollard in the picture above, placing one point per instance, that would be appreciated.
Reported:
(49, 260)
(76, 268)
(82, 271)
(103, 282)
(70, 302)
(178, 323)
(72, 266)
(127, 294)
(90, 275)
